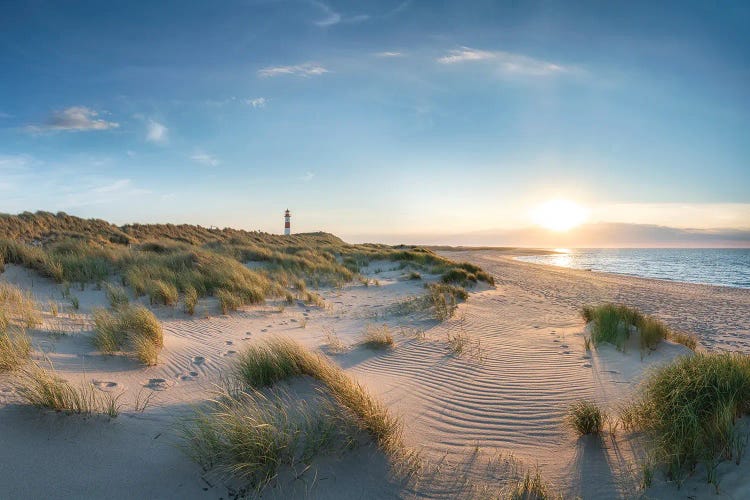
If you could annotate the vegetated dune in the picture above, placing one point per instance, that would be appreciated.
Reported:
(482, 395)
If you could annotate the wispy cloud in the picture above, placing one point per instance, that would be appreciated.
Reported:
(156, 132)
(257, 102)
(306, 69)
(506, 62)
(307, 177)
(389, 54)
(73, 119)
(205, 159)
(331, 17)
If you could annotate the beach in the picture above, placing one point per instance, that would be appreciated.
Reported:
(500, 400)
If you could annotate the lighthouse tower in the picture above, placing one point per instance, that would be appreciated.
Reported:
(287, 224)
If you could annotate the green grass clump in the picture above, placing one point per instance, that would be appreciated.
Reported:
(585, 417)
(689, 410)
(251, 435)
(131, 327)
(228, 301)
(278, 359)
(160, 292)
(116, 295)
(612, 323)
(44, 389)
(377, 337)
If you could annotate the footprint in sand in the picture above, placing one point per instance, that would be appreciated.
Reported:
(229, 342)
(264, 330)
(186, 376)
(293, 320)
(556, 340)
(158, 384)
(586, 365)
(198, 360)
(247, 338)
(565, 352)
(564, 346)
(105, 385)
(229, 353)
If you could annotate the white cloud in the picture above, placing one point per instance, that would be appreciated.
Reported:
(305, 70)
(205, 159)
(388, 54)
(73, 119)
(307, 177)
(115, 186)
(332, 17)
(258, 102)
(505, 62)
(156, 132)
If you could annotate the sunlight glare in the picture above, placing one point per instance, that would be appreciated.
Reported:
(559, 215)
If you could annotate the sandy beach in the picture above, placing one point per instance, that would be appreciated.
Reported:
(505, 395)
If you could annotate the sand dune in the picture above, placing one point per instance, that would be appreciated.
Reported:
(522, 365)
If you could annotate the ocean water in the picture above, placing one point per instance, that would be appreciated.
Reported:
(727, 267)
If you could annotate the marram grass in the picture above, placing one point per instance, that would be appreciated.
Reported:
(132, 328)
(689, 409)
(612, 323)
(585, 417)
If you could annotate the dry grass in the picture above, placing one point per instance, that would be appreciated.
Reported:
(18, 307)
(687, 339)
(15, 348)
(191, 300)
(44, 389)
(377, 337)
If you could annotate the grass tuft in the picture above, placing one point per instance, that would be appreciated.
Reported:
(116, 295)
(15, 348)
(689, 409)
(612, 323)
(131, 327)
(585, 417)
(377, 337)
(44, 389)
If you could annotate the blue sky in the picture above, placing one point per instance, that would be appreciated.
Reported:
(389, 117)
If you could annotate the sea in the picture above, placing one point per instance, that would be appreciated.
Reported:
(713, 266)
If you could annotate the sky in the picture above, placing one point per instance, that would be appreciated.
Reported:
(390, 119)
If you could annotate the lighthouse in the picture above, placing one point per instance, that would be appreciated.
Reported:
(287, 224)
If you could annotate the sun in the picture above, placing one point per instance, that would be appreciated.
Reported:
(559, 215)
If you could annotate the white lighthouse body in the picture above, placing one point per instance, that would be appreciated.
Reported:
(287, 223)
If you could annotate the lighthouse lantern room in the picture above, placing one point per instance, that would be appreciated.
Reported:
(287, 224)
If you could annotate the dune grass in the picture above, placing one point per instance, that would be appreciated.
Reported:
(15, 347)
(585, 417)
(116, 295)
(689, 409)
(191, 300)
(377, 337)
(251, 435)
(277, 359)
(133, 327)
(163, 293)
(252, 429)
(18, 307)
(44, 389)
(531, 487)
(612, 323)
